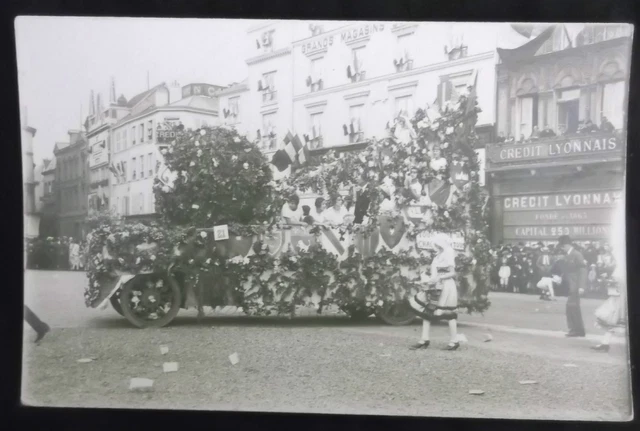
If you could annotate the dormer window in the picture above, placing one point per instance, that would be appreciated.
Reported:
(265, 41)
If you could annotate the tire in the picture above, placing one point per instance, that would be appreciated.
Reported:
(115, 303)
(143, 312)
(396, 314)
(356, 313)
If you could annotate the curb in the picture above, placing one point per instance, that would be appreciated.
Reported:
(538, 332)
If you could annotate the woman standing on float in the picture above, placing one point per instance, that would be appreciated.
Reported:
(443, 273)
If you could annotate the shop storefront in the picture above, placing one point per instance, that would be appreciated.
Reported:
(563, 186)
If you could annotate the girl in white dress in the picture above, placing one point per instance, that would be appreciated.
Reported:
(336, 214)
(443, 273)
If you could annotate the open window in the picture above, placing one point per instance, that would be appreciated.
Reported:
(268, 134)
(356, 70)
(314, 135)
(314, 80)
(568, 110)
(403, 60)
(354, 129)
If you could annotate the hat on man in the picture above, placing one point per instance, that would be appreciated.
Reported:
(564, 240)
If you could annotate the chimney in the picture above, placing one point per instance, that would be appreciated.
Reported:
(175, 92)
(92, 105)
(112, 92)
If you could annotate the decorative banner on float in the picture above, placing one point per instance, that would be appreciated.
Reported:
(424, 240)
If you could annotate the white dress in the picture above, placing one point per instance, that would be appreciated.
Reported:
(443, 262)
(335, 217)
(292, 215)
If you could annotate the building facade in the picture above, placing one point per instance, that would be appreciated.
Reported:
(31, 215)
(72, 184)
(562, 98)
(136, 141)
(337, 85)
(49, 223)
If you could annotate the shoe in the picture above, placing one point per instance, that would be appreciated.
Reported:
(452, 346)
(418, 346)
(42, 333)
(573, 335)
(601, 348)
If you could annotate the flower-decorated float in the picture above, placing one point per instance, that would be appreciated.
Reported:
(221, 241)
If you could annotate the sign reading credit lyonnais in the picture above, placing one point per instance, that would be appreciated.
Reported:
(549, 150)
(562, 201)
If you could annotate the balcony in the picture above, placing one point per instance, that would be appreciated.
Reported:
(556, 151)
(96, 184)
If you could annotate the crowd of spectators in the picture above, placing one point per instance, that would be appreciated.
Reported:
(519, 267)
(583, 128)
(55, 253)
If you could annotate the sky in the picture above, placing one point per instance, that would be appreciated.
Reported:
(61, 59)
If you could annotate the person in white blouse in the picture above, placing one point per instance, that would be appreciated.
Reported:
(336, 214)
(413, 184)
(318, 211)
(291, 212)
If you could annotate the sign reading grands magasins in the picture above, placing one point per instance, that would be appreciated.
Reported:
(585, 145)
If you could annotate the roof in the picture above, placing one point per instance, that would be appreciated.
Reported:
(235, 87)
(140, 97)
(137, 114)
(49, 165)
(59, 146)
(198, 102)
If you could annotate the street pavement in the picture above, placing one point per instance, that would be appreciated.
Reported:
(325, 364)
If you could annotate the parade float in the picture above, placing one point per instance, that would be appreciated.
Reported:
(220, 240)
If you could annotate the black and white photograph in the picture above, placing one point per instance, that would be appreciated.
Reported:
(389, 218)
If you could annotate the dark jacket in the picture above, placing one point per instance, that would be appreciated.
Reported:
(575, 271)
(363, 200)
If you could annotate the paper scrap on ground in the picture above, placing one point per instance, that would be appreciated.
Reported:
(234, 358)
(488, 337)
(462, 338)
(85, 360)
(170, 367)
(164, 350)
(528, 382)
(140, 384)
(571, 365)
(476, 392)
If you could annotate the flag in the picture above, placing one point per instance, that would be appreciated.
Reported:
(290, 147)
(113, 170)
(281, 160)
(527, 50)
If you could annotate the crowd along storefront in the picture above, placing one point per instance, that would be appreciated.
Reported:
(561, 186)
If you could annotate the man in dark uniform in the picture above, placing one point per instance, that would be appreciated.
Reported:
(38, 325)
(575, 274)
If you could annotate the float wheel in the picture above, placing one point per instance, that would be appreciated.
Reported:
(396, 313)
(150, 300)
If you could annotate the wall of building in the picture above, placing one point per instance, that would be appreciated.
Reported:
(138, 191)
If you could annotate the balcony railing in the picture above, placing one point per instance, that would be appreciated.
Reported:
(96, 184)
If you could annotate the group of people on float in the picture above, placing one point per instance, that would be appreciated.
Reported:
(583, 127)
(525, 269)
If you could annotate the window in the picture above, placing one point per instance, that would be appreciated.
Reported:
(142, 132)
(125, 205)
(545, 112)
(355, 123)
(451, 87)
(269, 87)
(141, 166)
(141, 203)
(598, 33)
(315, 134)
(133, 169)
(525, 116)
(402, 60)
(315, 78)
(269, 137)
(125, 142)
(357, 71)
(125, 173)
(404, 106)
(133, 135)
(234, 106)
(568, 110)
(613, 103)
(150, 130)
(150, 163)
